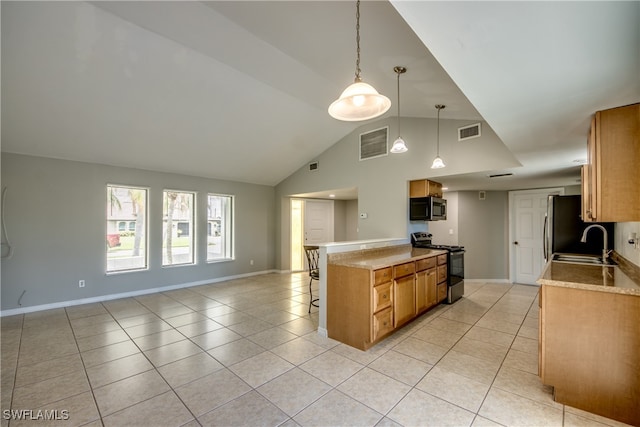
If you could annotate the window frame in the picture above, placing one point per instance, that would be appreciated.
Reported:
(230, 240)
(193, 231)
(147, 194)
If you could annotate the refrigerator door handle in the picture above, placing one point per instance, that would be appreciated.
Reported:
(545, 243)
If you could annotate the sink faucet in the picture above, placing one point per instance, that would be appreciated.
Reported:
(605, 249)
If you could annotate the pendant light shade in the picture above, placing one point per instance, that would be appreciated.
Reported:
(359, 101)
(438, 163)
(399, 145)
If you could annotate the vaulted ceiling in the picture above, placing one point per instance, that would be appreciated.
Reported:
(240, 90)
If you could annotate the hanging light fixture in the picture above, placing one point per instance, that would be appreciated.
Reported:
(437, 162)
(399, 145)
(359, 101)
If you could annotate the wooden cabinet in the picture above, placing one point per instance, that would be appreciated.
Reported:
(589, 347)
(364, 306)
(424, 188)
(441, 278)
(426, 282)
(610, 190)
(404, 293)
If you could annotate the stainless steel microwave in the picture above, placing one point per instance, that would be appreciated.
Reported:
(427, 209)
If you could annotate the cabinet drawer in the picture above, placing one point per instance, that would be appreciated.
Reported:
(425, 264)
(404, 269)
(442, 259)
(382, 323)
(382, 296)
(442, 273)
(381, 276)
(442, 291)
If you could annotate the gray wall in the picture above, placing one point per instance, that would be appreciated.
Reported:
(55, 218)
(382, 182)
(484, 232)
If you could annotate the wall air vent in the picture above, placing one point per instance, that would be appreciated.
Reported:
(374, 144)
(313, 166)
(499, 175)
(469, 132)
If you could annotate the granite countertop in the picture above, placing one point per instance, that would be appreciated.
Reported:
(373, 259)
(613, 279)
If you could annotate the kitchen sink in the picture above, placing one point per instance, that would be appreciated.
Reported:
(581, 259)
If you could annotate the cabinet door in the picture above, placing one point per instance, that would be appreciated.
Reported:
(426, 290)
(591, 173)
(432, 288)
(404, 300)
(382, 296)
(442, 273)
(382, 323)
(442, 291)
(421, 291)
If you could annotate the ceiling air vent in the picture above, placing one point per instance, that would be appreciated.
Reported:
(313, 166)
(469, 132)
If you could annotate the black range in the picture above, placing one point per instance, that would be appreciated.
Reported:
(455, 264)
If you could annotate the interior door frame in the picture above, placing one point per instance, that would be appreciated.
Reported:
(512, 223)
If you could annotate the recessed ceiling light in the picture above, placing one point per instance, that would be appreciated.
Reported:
(445, 188)
(332, 195)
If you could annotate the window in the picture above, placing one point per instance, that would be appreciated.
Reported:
(219, 227)
(126, 250)
(177, 228)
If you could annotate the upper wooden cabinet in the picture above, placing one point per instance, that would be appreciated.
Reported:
(424, 188)
(611, 177)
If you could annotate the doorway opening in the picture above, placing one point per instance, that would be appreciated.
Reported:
(297, 254)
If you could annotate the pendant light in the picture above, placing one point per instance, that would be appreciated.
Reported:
(399, 145)
(359, 101)
(437, 162)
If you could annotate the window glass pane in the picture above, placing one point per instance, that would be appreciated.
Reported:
(219, 227)
(126, 249)
(177, 228)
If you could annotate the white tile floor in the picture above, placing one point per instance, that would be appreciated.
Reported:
(246, 353)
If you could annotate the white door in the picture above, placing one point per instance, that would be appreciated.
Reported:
(528, 211)
(318, 221)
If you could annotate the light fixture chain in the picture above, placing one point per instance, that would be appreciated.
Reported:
(358, 78)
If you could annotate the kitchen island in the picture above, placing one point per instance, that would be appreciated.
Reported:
(370, 293)
(589, 343)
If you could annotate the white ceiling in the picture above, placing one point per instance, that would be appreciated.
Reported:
(240, 90)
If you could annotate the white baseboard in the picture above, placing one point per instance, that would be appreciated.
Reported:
(34, 308)
(487, 281)
(323, 332)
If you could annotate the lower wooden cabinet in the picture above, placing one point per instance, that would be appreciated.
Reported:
(404, 300)
(426, 284)
(589, 347)
(442, 291)
(364, 306)
(382, 323)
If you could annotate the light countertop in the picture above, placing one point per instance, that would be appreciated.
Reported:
(612, 279)
(374, 259)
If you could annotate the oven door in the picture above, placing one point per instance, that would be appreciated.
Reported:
(438, 209)
(455, 284)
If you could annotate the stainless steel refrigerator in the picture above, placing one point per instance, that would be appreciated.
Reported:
(563, 228)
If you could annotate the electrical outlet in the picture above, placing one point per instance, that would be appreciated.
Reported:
(251, 262)
(81, 283)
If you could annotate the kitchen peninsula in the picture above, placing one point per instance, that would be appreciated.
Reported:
(589, 343)
(373, 288)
